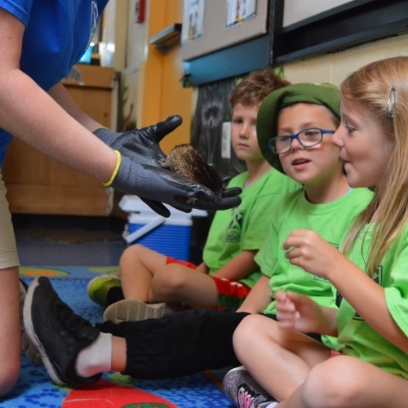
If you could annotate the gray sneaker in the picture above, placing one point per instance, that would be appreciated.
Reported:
(28, 347)
(57, 332)
(133, 310)
(244, 391)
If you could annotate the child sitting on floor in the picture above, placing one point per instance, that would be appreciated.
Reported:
(152, 282)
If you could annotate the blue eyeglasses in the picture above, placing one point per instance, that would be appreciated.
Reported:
(306, 137)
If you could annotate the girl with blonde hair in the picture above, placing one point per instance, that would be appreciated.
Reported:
(369, 272)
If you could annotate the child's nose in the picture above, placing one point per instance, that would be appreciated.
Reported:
(244, 131)
(336, 139)
(296, 144)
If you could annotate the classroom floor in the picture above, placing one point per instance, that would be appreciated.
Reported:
(68, 240)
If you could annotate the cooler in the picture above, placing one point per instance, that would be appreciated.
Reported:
(169, 236)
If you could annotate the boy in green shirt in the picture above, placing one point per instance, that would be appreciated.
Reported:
(150, 280)
(304, 116)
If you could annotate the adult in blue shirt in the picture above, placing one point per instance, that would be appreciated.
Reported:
(40, 41)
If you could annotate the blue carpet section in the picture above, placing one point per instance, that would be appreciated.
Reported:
(35, 387)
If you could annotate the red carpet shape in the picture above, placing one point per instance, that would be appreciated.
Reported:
(106, 394)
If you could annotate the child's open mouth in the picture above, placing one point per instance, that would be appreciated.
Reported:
(300, 163)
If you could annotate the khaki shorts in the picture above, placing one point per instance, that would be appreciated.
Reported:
(8, 249)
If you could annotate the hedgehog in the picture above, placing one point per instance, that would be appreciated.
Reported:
(188, 163)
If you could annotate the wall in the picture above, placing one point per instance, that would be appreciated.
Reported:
(152, 79)
(333, 68)
(162, 94)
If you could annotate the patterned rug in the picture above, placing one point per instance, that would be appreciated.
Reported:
(35, 388)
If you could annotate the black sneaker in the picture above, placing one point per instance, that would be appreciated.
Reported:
(57, 332)
(28, 347)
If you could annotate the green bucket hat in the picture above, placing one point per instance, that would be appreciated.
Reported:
(327, 95)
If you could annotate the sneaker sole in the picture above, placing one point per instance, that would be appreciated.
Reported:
(135, 310)
(27, 346)
(31, 333)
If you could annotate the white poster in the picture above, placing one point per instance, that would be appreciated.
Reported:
(193, 20)
(295, 10)
(240, 10)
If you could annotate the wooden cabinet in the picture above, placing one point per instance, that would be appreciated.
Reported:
(37, 184)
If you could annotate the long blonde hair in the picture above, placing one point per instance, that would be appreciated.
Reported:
(370, 87)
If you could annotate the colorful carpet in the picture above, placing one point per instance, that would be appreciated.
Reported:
(35, 388)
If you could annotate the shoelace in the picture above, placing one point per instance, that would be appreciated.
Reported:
(245, 399)
(72, 321)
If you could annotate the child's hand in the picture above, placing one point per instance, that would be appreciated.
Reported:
(298, 312)
(311, 252)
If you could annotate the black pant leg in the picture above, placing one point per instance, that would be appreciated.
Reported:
(178, 344)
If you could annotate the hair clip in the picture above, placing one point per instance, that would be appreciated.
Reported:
(391, 104)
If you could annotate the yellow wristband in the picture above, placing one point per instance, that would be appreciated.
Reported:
(115, 172)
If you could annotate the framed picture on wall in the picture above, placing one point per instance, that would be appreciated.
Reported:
(239, 11)
(333, 25)
(193, 20)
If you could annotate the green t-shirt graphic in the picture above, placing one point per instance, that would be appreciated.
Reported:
(245, 227)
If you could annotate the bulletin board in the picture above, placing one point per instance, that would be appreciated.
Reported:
(296, 11)
(285, 30)
(216, 35)
(332, 25)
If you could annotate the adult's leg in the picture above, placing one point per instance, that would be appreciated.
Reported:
(138, 265)
(348, 382)
(180, 284)
(178, 344)
(10, 335)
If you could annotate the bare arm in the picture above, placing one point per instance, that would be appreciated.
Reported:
(60, 95)
(259, 297)
(239, 266)
(368, 299)
(30, 114)
(316, 256)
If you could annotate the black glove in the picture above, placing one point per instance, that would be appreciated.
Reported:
(141, 152)
(157, 185)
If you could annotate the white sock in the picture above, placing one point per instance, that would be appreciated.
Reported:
(96, 358)
(270, 405)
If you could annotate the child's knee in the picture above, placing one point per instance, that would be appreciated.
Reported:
(332, 384)
(131, 251)
(245, 330)
(130, 255)
(168, 280)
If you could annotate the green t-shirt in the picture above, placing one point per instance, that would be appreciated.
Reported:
(361, 340)
(331, 221)
(245, 227)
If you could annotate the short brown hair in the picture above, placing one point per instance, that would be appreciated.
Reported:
(255, 87)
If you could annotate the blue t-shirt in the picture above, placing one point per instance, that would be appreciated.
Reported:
(57, 35)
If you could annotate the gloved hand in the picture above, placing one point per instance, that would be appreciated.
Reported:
(139, 172)
(157, 185)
